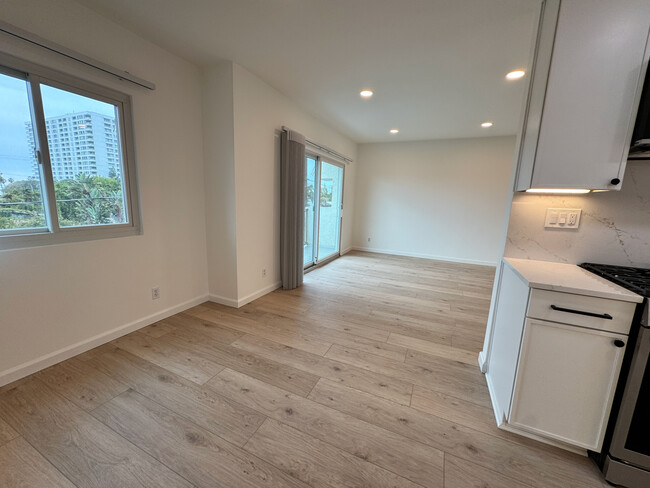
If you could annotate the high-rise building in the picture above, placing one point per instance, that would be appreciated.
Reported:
(80, 143)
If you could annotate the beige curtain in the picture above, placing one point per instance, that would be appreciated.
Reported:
(292, 208)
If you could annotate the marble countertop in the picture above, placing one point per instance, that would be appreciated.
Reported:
(568, 278)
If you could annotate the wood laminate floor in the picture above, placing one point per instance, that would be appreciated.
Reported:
(366, 376)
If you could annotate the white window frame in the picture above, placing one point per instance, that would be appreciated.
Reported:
(35, 75)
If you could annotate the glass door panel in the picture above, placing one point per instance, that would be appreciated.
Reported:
(310, 210)
(330, 199)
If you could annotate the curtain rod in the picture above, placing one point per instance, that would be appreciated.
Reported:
(74, 55)
(325, 149)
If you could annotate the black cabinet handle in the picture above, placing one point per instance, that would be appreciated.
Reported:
(619, 343)
(580, 312)
(615, 181)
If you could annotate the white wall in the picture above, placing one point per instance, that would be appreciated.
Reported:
(614, 228)
(219, 149)
(55, 299)
(442, 199)
(260, 111)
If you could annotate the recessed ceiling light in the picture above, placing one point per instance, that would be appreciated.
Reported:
(394, 131)
(487, 124)
(366, 93)
(516, 74)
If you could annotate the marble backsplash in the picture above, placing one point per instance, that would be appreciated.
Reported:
(614, 227)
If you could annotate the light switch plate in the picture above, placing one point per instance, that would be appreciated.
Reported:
(562, 218)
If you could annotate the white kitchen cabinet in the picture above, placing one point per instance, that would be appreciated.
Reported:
(585, 83)
(506, 340)
(565, 382)
(557, 342)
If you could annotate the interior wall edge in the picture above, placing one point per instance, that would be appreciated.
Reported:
(35, 365)
(450, 259)
(259, 293)
(221, 300)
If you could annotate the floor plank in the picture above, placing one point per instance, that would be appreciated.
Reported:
(203, 458)
(225, 418)
(535, 467)
(449, 378)
(440, 350)
(188, 363)
(317, 463)
(81, 384)
(157, 329)
(464, 474)
(21, 466)
(290, 338)
(381, 385)
(86, 451)
(217, 332)
(311, 328)
(6, 433)
(272, 372)
(395, 453)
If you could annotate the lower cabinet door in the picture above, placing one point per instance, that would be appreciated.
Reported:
(565, 382)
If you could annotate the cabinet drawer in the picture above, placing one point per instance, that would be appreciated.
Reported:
(565, 307)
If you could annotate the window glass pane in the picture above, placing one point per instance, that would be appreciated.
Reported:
(21, 205)
(329, 221)
(310, 209)
(83, 135)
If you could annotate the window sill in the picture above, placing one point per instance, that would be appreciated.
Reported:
(66, 236)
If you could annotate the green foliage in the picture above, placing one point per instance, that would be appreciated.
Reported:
(84, 200)
(20, 204)
(325, 195)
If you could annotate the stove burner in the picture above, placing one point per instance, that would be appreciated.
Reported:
(634, 279)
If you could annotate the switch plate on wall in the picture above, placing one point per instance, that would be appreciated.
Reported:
(562, 218)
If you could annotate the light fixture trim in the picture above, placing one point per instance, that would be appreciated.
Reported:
(559, 190)
(394, 131)
(516, 74)
(366, 93)
(487, 124)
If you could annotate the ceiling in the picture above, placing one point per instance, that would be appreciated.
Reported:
(437, 67)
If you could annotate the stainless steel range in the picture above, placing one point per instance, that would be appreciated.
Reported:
(625, 459)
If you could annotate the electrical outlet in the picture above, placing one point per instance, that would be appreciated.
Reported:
(263, 272)
(155, 293)
(562, 218)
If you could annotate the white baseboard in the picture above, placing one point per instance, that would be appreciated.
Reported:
(498, 414)
(231, 302)
(259, 293)
(425, 256)
(48, 360)
(347, 250)
(228, 302)
(482, 361)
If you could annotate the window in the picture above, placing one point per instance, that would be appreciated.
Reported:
(49, 195)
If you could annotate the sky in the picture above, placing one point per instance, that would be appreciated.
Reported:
(15, 157)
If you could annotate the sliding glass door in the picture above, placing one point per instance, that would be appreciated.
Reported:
(323, 204)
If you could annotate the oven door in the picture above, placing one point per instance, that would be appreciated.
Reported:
(631, 439)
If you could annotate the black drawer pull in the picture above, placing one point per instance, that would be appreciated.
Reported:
(580, 312)
(619, 343)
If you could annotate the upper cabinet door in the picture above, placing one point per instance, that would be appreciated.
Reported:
(588, 71)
